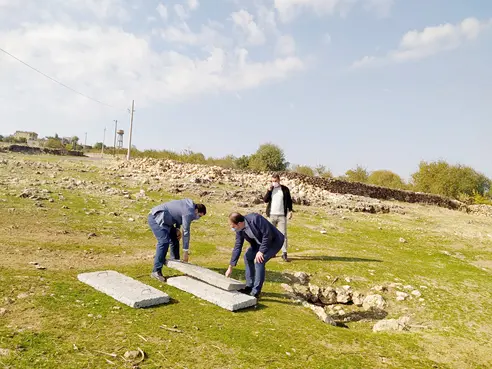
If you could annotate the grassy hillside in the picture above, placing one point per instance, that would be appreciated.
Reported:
(49, 319)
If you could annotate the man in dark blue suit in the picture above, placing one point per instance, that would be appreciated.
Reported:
(265, 240)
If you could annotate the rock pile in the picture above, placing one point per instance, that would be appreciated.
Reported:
(246, 188)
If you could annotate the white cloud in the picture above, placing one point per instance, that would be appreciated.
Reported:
(209, 35)
(245, 21)
(181, 11)
(97, 61)
(97, 56)
(380, 7)
(289, 9)
(162, 10)
(193, 4)
(416, 45)
(286, 45)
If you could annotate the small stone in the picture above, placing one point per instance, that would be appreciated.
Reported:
(23, 295)
(90, 235)
(374, 302)
(3, 311)
(40, 267)
(357, 298)
(116, 307)
(402, 240)
(131, 355)
(5, 352)
(391, 325)
(131, 219)
(416, 293)
(323, 232)
(401, 296)
(303, 278)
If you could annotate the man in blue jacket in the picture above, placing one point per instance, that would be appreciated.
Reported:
(265, 240)
(164, 221)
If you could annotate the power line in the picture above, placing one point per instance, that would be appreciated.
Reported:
(54, 80)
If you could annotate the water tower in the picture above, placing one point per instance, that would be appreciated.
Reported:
(120, 134)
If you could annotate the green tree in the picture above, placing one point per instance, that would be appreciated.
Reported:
(386, 178)
(242, 162)
(359, 174)
(304, 169)
(98, 145)
(449, 180)
(268, 157)
(321, 171)
(53, 143)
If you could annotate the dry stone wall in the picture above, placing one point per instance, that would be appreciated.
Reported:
(248, 187)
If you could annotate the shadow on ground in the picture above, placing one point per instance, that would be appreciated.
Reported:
(334, 258)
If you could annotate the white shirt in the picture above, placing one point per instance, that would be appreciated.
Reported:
(277, 202)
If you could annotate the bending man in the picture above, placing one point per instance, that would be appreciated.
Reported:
(167, 218)
(265, 240)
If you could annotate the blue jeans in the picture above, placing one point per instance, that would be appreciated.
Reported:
(165, 236)
(255, 272)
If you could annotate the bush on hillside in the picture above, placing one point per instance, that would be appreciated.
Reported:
(386, 178)
(450, 180)
(268, 157)
(359, 174)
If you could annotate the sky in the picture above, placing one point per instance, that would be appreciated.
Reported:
(383, 84)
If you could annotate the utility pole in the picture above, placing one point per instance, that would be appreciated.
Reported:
(104, 137)
(115, 128)
(131, 129)
(85, 141)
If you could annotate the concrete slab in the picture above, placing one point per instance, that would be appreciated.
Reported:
(229, 300)
(206, 275)
(124, 289)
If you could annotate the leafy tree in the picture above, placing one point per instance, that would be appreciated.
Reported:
(449, 180)
(53, 143)
(98, 145)
(321, 171)
(1, 138)
(268, 157)
(359, 174)
(386, 178)
(242, 162)
(304, 169)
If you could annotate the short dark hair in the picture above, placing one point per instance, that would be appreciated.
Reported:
(236, 218)
(202, 209)
(276, 176)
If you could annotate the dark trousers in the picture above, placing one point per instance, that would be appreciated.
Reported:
(255, 272)
(165, 236)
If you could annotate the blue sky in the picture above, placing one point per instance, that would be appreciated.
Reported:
(379, 83)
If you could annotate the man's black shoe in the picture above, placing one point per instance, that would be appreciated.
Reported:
(246, 290)
(285, 258)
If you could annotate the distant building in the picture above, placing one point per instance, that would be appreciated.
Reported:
(29, 136)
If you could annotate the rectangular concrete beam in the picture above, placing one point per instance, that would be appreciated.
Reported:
(124, 289)
(206, 275)
(229, 300)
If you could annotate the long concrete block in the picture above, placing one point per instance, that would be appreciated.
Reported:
(124, 289)
(229, 300)
(206, 275)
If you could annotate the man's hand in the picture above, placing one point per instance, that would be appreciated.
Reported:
(185, 256)
(259, 257)
(178, 234)
(228, 272)
(289, 216)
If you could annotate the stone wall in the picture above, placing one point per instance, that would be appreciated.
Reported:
(42, 150)
(382, 193)
(251, 186)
